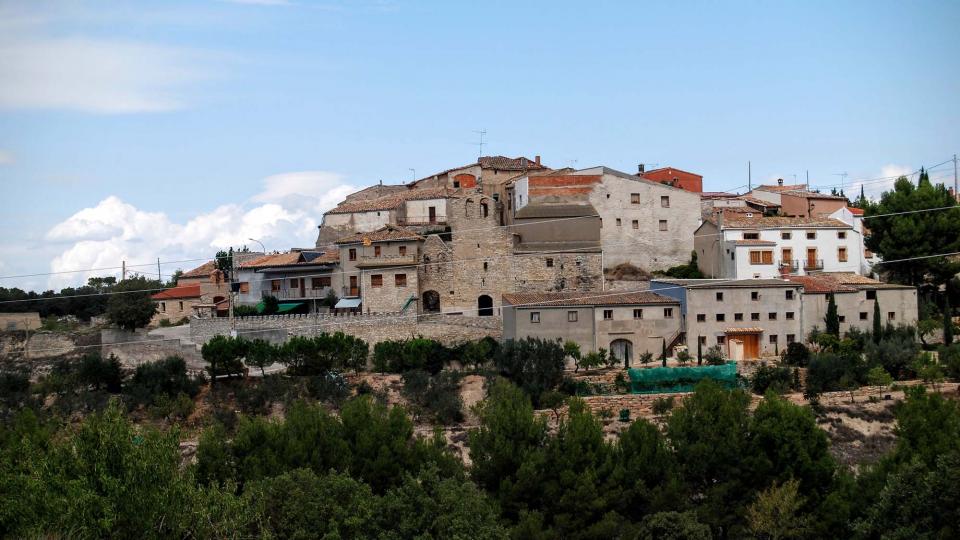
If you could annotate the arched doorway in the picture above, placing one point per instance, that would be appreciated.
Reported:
(484, 306)
(431, 302)
(622, 350)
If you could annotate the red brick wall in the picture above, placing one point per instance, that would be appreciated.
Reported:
(466, 180)
(688, 181)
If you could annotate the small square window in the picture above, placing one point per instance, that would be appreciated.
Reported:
(755, 295)
(638, 314)
(842, 254)
(751, 236)
(352, 254)
(863, 315)
(790, 315)
(486, 266)
(245, 287)
(754, 316)
(719, 297)
(535, 316)
(785, 236)
(608, 314)
(721, 340)
(376, 251)
(294, 283)
(703, 340)
(402, 250)
(634, 198)
(663, 224)
(773, 339)
(772, 316)
(400, 280)
(635, 223)
(665, 201)
(701, 317)
(376, 280)
(619, 222)
(549, 262)
(842, 235)
(791, 338)
(892, 315)
(811, 235)
(871, 295)
(738, 316)
(572, 316)
(843, 318)
(789, 294)
(721, 317)
(668, 313)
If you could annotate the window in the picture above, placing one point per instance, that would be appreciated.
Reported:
(665, 201)
(608, 314)
(754, 316)
(399, 280)
(738, 316)
(402, 250)
(319, 282)
(702, 340)
(485, 266)
(163, 306)
(701, 317)
(352, 254)
(785, 236)
(719, 297)
(572, 316)
(789, 294)
(275, 285)
(891, 315)
(843, 318)
(294, 283)
(721, 317)
(842, 235)
(791, 338)
(634, 198)
(668, 313)
(773, 339)
(842, 254)
(635, 224)
(811, 235)
(789, 315)
(180, 305)
(751, 236)
(663, 224)
(376, 251)
(244, 287)
(376, 280)
(535, 316)
(772, 316)
(618, 222)
(871, 295)
(549, 262)
(761, 256)
(638, 314)
(863, 315)
(721, 340)
(754, 295)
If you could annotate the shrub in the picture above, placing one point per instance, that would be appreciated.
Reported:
(177, 408)
(330, 387)
(162, 379)
(646, 357)
(714, 356)
(662, 405)
(437, 396)
(829, 372)
(535, 365)
(797, 354)
(224, 354)
(950, 360)
(778, 379)
(245, 311)
(895, 353)
(97, 371)
(417, 353)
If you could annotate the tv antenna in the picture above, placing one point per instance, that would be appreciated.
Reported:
(843, 178)
(480, 132)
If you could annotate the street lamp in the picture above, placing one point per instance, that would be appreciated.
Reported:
(261, 244)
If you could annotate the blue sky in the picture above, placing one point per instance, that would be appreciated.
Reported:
(138, 130)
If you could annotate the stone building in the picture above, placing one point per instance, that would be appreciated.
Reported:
(203, 291)
(642, 222)
(674, 177)
(798, 201)
(300, 279)
(855, 296)
(380, 267)
(625, 323)
(747, 318)
(426, 207)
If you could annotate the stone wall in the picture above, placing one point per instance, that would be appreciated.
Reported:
(371, 328)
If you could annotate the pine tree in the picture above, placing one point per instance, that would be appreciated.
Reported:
(832, 319)
(947, 321)
(699, 352)
(877, 326)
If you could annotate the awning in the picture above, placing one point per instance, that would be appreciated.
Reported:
(346, 303)
(284, 307)
(743, 331)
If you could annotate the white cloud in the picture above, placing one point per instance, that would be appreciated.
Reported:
(6, 157)
(895, 170)
(94, 75)
(284, 214)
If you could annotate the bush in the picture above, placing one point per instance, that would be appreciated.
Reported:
(662, 405)
(225, 354)
(161, 379)
(97, 371)
(950, 360)
(330, 387)
(831, 372)
(418, 353)
(778, 379)
(437, 396)
(714, 356)
(895, 354)
(797, 354)
(535, 365)
(178, 408)
(245, 311)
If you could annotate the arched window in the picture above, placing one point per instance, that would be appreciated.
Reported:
(484, 306)
(484, 210)
(622, 350)
(431, 302)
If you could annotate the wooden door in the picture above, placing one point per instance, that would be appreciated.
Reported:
(433, 214)
(787, 256)
(751, 346)
(812, 257)
(354, 290)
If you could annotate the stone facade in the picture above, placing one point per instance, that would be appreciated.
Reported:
(898, 305)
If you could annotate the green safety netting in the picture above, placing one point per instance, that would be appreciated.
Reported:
(680, 379)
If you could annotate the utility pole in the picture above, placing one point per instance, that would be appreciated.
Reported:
(808, 179)
(749, 177)
(123, 271)
(956, 194)
(414, 173)
(159, 277)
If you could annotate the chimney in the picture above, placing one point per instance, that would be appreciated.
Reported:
(523, 163)
(640, 169)
(536, 160)
(779, 181)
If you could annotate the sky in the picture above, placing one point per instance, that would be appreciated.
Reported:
(137, 131)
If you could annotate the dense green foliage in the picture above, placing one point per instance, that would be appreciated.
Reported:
(691, 270)
(130, 306)
(535, 365)
(82, 302)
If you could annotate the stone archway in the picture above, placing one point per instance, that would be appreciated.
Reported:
(431, 302)
(484, 306)
(622, 350)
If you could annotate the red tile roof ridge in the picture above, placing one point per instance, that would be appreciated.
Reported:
(184, 291)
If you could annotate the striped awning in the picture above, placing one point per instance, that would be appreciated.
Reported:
(751, 330)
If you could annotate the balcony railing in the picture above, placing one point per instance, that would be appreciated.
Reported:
(791, 265)
(297, 294)
(811, 264)
(367, 261)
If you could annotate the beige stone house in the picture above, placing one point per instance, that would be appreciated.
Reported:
(625, 323)
(380, 267)
(300, 279)
(202, 291)
(797, 200)
(855, 296)
(425, 207)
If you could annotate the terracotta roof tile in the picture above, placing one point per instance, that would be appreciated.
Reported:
(187, 291)
(503, 163)
(754, 242)
(390, 233)
(855, 211)
(204, 270)
(758, 202)
(548, 299)
(741, 221)
(275, 259)
(390, 202)
(780, 187)
(820, 284)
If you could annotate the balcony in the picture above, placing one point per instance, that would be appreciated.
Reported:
(813, 264)
(371, 261)
(297, 294)
(789, 265)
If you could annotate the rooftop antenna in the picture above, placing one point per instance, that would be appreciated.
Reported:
(414, 173)
(843, 176)
(749, 177)
(808, 179)
(480, 132)
(573, 163)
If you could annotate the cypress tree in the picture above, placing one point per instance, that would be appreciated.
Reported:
(663, 355)
(832, 319)
(877, 327)
(699, 352)
(947, 320)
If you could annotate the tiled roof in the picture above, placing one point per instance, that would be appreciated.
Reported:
(187, 291)
(651, 171)
(725, 283)
(328, 256)
(275, 259)
(813, 195)
(758, 202)
(747, 330)
(549, 299)
(754, 242)
(861, 282)
(390, 202)
(820, 284)
(390, 233)
(204, 270)
(780, 187)
(718, 195)
(775, 222)
(855, 211)
(503, 163)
